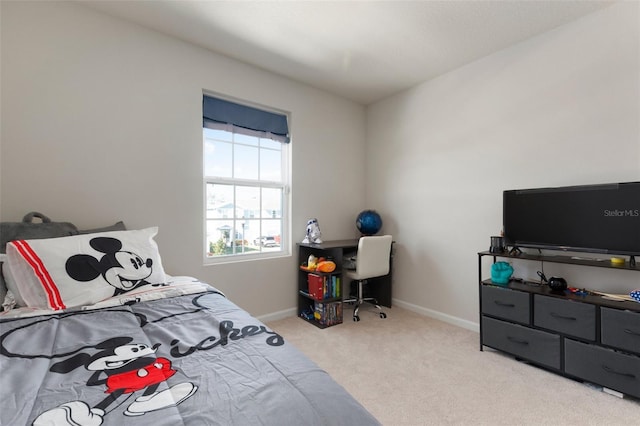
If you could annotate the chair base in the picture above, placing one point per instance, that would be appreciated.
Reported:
(359, 300)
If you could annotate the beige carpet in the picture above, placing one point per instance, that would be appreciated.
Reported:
(413, 370)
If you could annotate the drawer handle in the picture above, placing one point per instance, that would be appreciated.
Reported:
(518, 341)
(508, 305)
(635, 333)
(553, 314)
(611, 370)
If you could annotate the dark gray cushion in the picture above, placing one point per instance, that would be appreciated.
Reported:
(28, 230)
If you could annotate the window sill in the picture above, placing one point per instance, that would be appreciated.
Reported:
(222, 260)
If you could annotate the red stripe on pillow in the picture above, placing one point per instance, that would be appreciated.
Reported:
(50, 288)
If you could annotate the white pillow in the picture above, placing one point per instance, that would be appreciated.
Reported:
(12, 287)
(59, 273)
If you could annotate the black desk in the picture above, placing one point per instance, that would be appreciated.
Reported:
(379, 287)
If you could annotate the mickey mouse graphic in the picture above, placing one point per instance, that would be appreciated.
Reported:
(128, 367)
(124, 270)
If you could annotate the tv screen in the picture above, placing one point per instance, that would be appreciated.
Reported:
(590, 218)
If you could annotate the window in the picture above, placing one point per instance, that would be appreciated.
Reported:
(246, 189)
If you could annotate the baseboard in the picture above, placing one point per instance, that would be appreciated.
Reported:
(459, 322)
(275, 316)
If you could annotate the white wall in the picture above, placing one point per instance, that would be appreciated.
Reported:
(101, 121)
(562, 108)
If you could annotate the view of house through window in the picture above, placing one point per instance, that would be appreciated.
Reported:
(245, 187)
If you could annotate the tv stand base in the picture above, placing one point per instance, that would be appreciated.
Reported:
(515, 251)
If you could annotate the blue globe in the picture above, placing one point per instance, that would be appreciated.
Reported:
(369, 222)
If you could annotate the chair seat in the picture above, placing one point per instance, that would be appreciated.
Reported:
(354, 275)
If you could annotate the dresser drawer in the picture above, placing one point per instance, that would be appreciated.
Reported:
(620, 329)
(533, 345)
(605, 367)
(565, 316)
(504, 303)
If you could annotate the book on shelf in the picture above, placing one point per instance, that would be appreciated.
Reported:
(323, 286)
(335, 286)
(328, 313)
(316, 286)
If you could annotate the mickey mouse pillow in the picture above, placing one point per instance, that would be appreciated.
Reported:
(59, 273)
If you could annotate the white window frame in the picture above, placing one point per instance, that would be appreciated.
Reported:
(285, 185)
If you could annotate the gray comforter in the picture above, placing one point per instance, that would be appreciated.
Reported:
(193, 359)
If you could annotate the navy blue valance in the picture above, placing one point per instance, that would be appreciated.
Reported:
(225, 115)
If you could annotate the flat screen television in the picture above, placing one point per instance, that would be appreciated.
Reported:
(588, 218)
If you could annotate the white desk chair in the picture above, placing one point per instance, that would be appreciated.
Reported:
(372, 260)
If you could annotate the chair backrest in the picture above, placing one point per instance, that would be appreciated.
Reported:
(373, 256)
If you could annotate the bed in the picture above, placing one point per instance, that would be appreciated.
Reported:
(157, 350)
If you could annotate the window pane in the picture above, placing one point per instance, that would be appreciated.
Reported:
(252, 232)
(246, 140)
(272, 229)
(222, 135)
(248, 201)
(272, 203)
(245, 162)
(217, 158)
(241, 243)
(219, 201)
(219, 240)
(270, 143)
(270, 165)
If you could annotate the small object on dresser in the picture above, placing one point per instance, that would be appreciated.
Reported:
(578, 291)
(501, 272)
(497, 245)
(557, 284)
(635, 295)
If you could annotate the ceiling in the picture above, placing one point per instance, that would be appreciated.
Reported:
(360, 50)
